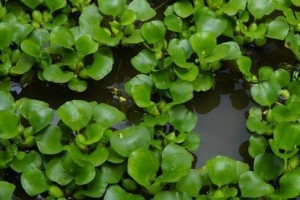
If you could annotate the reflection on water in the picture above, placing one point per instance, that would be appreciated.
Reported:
(221, 119)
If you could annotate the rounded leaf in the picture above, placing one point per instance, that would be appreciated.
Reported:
(85, 45)
(289, 185)
(54, 5)
(142, 9)
(56, 172)
(287, 135)
(8, 124)
(6, 101)
(101, 66)
(62, 36)
(107, 115)
(260, 8)
(127, 140)
(111, 7)
(31, 48)
(203, 43)
(55, 74)
(182, 119)
(34, 182)
(191, 184)
(6, 190)
(153, 31)
(266, 93)
(183, 8)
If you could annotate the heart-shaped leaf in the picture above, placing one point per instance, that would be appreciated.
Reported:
(90, 18)
(191, 184)
(77, 85)
(32, 3)
(76, 114)
(289, 185)
(182, 119)
(211, 24)
(101, 66)
(85, 45)
(258, 145)
(56, 172)
(252, 186)
(49, 140)
(111, 7)
(203, 43)
(34, 181)
(265, 93)
(145, 61)
(183, 8)
(287, 141)
(278, 28)
(55, 73)
(62, 36)
(26, 161)
(127, 140)
(139, 168)
(261, 8)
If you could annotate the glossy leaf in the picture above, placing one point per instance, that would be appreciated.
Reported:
(34, 182)
(97, 187)
(107, 115)
(76, 114)
(142, 9)
(183, 8)
(26, 161)
(252, 186)
(56, 172)
(278, 29)
(32, 3)
(224, 170)
(62, 36)
(139, 168)
(77, 85)
(113, 173)
(144, 61)
(261, 8)
(117, 193)
(104, 36)
(55, 74)
(171, 195)
(258, 145)
(233, 6)
(127, 140)
(190, 184)
(101, 66)
(182, 119)
(31, 48)
(265, 93)
(203, 43)
(153, 31)
(287, 135)
(127, 17)
(8, 124)
(211, 24)
(173, 23)
(49, 140)
(85, 45)
(111, 7)
(6, 190)
(203, 82)
(6, 35)
(268, 166)
(6, 101)
(93, 133)
(84, 172)
(23, 65)
(289, 185)
(162, 79)
(54, 5)
(181, 91)
(90, 18)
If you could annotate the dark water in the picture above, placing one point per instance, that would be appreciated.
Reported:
(221, 112)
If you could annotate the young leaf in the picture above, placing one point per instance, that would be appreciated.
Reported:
(101, 66)
(183, 8)
(34, 181)
(182, 119)
(191, 184)
(142, 9)
(127, 140)
(31, 48)
(85, 45)
(77, 85)
(76, 114)
(62, 36)
(265, 93)
(144, 61)
(55, 73)
(139, 168)
(203, 43)
(56, 172)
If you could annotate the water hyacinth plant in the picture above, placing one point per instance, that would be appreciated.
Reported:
(79, 151)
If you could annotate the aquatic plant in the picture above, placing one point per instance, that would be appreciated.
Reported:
(78, 152)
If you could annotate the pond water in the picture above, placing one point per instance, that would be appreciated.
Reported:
(221, 112)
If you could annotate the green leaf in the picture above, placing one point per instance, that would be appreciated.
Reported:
(90, 18)
(62, 36)
(183, 8)
(187, 75)
(8, 124)
(77, 85)
(103, 36)
(54, 5)
(191, 142)
(144, 61)
(84, 172)
(142, 95)
(127, 140)
(265, 93)
(162, 79)
(115, 192)
(56, 172)
(55, 73)
(107, 115)
(101, 66)
(26, 161)
(268, 166)
(260, 8)
(233, 6)
(211, 24)
(31, 48)
(6, 101)
(182, 119)
(191, 184)
(112, 7)
(153, 31)
(127, 17)
(224, 170)
(139, 168)
(252, 186)
(289, 186)
(49, 140)
(32, 3)
(296, 2)
(206, 46)
(76, 114)
(287, 135)
(41, 118)
(278, 28)
(174, 195)
(113, 173)
(6, 35)
(181, 91)
(258, 145)
(203, 82)
(142, 9)
(180, 50)
(23, 65)
(173, 23)
(97, 187)
(34, 182)
(6, 190)
(85, 45)
(282, 77)
(93, 133)
(244, 63)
